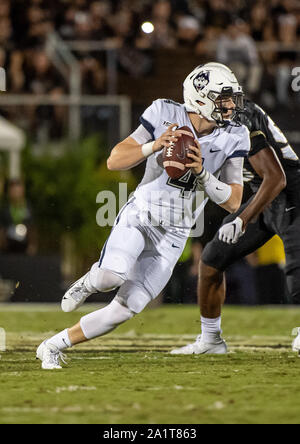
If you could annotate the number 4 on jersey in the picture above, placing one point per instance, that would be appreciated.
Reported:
(187, 184)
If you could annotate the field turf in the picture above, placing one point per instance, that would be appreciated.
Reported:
(128, 377)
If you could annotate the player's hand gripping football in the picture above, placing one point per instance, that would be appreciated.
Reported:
(232, 232)
(168, 137)
(196, 156)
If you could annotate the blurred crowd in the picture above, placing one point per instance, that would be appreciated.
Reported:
(240, 33)
(229, 30)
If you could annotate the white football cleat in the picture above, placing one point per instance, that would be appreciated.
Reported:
(296, 342)
(50, 356)
(200, 347)
(75, 296)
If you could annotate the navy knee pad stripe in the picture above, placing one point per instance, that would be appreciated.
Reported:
(103, 253)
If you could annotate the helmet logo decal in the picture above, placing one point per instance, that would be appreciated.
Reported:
(201, 80)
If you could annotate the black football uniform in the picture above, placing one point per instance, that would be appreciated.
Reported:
(282, 217)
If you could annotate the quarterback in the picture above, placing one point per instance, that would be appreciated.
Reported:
(274, 209)
(139, 255)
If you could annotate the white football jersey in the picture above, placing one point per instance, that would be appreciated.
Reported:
(157, 192)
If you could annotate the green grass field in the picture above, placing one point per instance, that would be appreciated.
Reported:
(128, 377)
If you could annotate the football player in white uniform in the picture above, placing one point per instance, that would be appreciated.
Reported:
(273, 209)
(139, 255)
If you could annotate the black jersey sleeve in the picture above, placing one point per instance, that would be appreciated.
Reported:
(258, 142)
(256, 121)
(259, 131)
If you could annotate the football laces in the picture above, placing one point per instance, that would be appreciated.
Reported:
(170, 150)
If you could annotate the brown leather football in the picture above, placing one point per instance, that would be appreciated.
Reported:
(175, 157)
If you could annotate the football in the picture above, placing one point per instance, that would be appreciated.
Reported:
(175, 156)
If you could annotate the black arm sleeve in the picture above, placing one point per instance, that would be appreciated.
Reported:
(258, 132)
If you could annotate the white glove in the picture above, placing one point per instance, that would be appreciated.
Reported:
(230, 233)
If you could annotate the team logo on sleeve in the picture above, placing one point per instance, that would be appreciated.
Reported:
(201, 80)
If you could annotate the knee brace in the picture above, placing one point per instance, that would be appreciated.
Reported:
(104, 280)
(103, 321)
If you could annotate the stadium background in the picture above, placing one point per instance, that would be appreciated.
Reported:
(79, 74)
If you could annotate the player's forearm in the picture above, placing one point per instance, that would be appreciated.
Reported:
(123, 162)
(267, 192)
(226, 196)
(234, 202)
(125, 156)
(268, 167)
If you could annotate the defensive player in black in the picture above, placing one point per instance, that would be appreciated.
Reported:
(281, 217)
(274, 209)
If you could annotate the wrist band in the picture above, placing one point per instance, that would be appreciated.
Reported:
(216, 190)
(147, 149)
(203, 176)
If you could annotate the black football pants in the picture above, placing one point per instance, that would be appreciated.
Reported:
(282, 218)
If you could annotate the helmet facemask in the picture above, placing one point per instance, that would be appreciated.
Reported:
(221, 107)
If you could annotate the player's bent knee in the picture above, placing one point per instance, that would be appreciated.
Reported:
(105, 281)
(214, 258)
(135, 298)
(209, 273)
